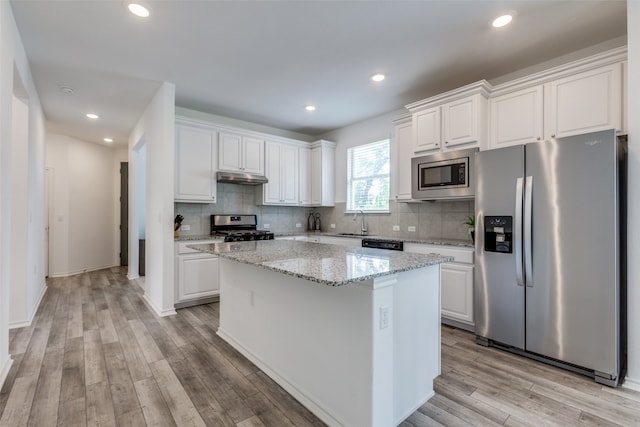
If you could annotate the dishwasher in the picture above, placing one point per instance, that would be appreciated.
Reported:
(392, 245)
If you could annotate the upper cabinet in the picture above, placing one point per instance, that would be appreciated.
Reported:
(580, 97)
(304, 176)
(402, 152)
(239, 153)
(516, 118)
(451, 120)
(281, 168)
(196, 163)
(322, 173)
(586, 102)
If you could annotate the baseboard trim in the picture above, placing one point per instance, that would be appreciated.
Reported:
(87, 270)
(5, 370)
(160, 313)
(26, 323)
(631, 384)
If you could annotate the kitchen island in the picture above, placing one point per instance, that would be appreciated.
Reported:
(352, 333)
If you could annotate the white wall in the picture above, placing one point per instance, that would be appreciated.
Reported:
(13, 57)
(633, 212)
(156, 129)
(370, 130)
(83, 197)
(18, 312)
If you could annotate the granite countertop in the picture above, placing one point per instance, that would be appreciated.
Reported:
(332, 265)
(442, 242)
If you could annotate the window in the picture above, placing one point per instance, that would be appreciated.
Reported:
(368, 177)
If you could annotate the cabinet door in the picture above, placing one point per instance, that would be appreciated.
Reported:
(253, 155)
(460, 121)
(516, 118)
(404, 152)
(289, 174)
(586, 102)
(304, 175)
(197, 276)
(426, 130)
(229, 152)
(316, 176)
(457, 292)
(272, 171)
(195, 164)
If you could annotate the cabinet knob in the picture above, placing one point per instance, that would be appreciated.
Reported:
(539, 138)
(437, 144)
(446, 142)
(553, 135)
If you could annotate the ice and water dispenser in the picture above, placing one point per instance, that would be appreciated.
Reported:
(498, 234)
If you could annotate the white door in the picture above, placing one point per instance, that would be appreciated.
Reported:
(253, 156)
(426, 130)
(516, 117)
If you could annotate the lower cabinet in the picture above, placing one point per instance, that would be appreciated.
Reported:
(457, 292)
(456, 280)
(196, 276)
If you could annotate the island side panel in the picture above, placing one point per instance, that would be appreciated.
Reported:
(315, 340)
(416, 329)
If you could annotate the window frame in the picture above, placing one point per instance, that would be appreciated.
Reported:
(350, 180)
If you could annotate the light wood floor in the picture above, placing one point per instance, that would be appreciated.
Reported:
(96, 355)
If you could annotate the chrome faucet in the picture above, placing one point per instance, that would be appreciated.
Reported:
(363, 229)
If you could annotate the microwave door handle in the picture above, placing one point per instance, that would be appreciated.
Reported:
(517, 241)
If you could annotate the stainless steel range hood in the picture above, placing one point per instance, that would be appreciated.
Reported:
(241, 178)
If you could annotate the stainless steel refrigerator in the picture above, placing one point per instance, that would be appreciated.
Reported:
(550, 252)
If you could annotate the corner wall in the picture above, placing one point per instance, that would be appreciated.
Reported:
(156, 129)
(13, 57)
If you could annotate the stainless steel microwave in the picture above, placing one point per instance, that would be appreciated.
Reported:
(445, 175)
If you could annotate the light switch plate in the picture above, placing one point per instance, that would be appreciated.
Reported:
(185, 227)
(411, 228)
(396, 228)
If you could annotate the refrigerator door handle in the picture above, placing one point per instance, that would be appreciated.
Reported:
(528, 191)
(517, 241)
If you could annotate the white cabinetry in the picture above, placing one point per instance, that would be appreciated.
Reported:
(403, 151)
(281, 168)
(586, 102)
(427, 130)
(196, 275)
(580, 97)
(456, 283)
(240, 153)
(304, 176)
(196, 164)
(516, 117)
(452, 119)
(322, 173)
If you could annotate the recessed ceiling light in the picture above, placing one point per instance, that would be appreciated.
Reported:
(378, 77)
(67, 90)
(310, 107)
(108, 140)
(92, 115)
(501, 21)
(138, 10)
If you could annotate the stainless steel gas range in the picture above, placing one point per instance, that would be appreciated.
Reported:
(238, 228)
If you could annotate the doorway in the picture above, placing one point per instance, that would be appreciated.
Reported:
(124, 213)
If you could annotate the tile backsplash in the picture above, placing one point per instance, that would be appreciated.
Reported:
(432, 220)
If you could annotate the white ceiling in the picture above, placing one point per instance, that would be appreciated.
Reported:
(262, 61)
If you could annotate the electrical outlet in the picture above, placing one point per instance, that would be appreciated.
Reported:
(384, 317)
(298, 225)
(185, 227)
(332, 226)
(411, 229)
(396, 228)
(266, 226)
